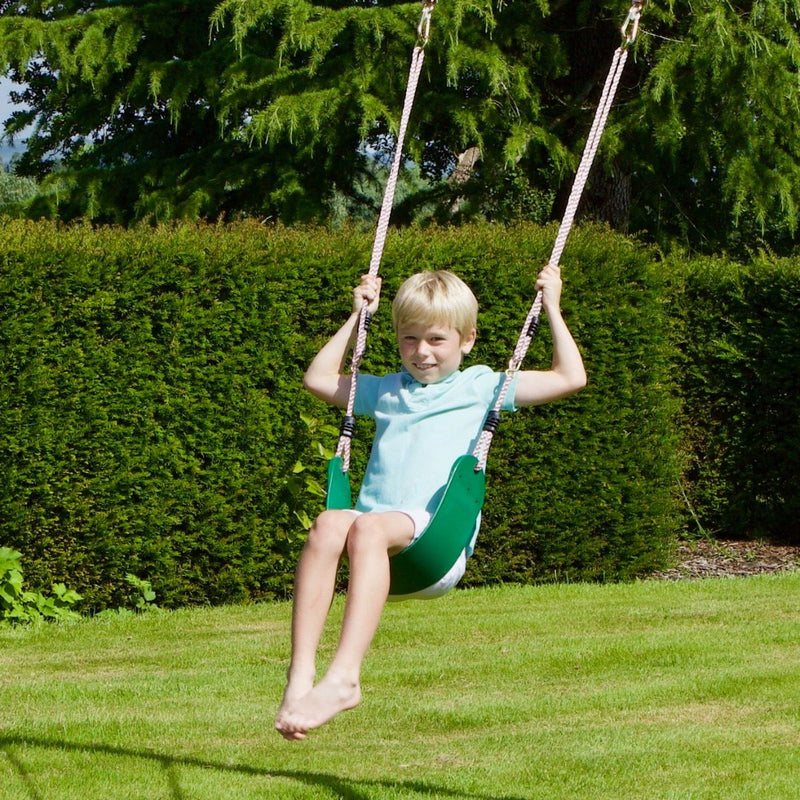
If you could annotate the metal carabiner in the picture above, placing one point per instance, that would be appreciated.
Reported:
(424, 27)
(631, 25)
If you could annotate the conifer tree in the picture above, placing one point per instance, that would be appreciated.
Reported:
(713, 137)
(159, 109)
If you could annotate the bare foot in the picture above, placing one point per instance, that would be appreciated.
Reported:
(284, 721)
(286, 727)
(296, 688)
(328, 698)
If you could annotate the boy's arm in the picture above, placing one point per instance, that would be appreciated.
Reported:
(325, 377)
(566, 374)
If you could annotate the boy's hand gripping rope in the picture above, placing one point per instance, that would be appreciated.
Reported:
(629, 30)
(417, 59)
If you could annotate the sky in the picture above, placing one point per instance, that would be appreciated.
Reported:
(5, 103)
(6, 107)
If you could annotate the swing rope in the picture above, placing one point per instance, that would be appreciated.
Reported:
(629, 30)
(417, 59)
(426, 560)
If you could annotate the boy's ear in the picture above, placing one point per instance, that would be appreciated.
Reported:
(468, 341)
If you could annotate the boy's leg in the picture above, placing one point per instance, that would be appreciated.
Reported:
(314, 584)
(371, 539)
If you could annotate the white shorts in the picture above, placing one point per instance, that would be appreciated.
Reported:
(421, 518)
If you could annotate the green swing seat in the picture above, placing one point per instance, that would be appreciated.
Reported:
(431, 555)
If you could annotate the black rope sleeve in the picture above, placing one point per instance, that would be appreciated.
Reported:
(492, 421)
(348, 426)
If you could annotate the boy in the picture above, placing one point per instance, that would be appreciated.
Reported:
(426, 416)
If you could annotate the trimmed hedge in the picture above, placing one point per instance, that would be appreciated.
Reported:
(149, 409)
(151, 402)
(740, 379)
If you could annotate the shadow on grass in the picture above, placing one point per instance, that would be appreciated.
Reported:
(338, 787)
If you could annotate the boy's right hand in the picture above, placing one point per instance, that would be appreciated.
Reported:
(370, 290)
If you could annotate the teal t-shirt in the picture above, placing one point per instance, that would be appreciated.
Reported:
(421, 429)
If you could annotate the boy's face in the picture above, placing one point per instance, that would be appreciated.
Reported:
(432, 353)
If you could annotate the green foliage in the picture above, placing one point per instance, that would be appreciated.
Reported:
(108, 86)
(719, 154)
(15, 191)
(149, 403)
(141, 599)
(144, 599)
(305, 481)
(271, 109)
(18, 606)
(511, 197)
(740, 383)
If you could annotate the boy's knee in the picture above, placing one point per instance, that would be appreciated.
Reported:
(385, 531)
(363, 531)
(329, 529)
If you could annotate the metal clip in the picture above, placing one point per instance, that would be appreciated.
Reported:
(631, 25)
(424, 27)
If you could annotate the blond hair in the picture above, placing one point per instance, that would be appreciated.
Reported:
(430, 298)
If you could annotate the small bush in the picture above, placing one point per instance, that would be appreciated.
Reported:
(18, 606)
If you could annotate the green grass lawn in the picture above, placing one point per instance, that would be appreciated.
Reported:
(649, 690)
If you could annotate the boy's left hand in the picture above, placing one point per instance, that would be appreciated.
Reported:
(549, 282)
